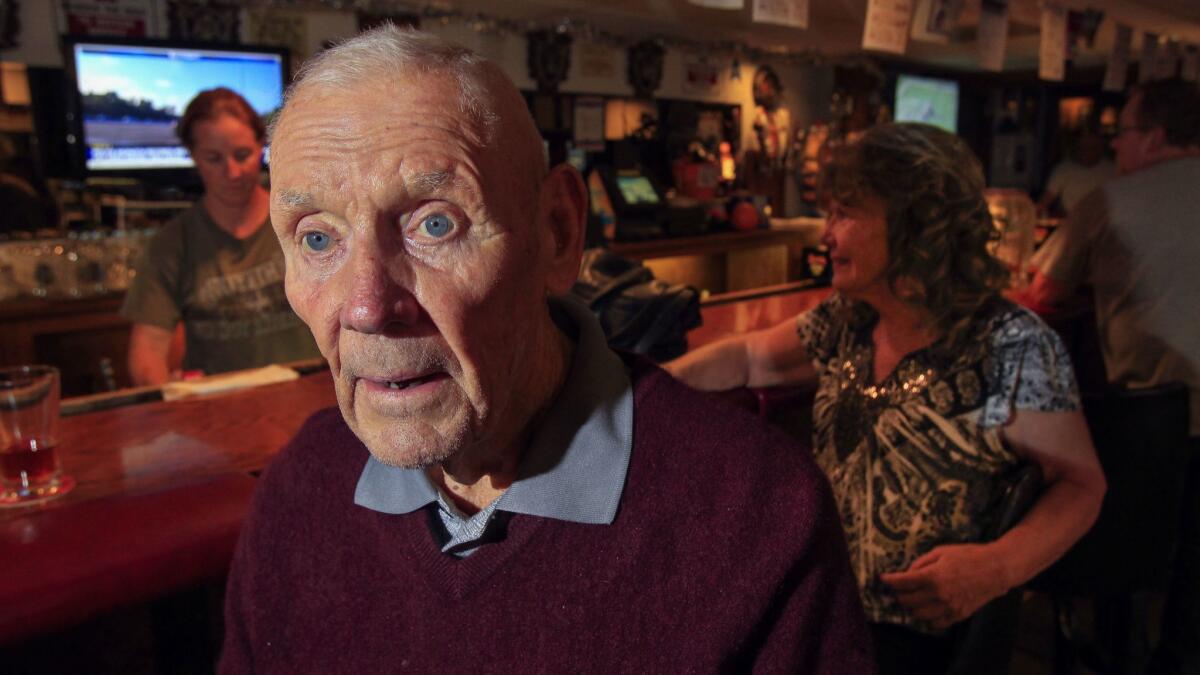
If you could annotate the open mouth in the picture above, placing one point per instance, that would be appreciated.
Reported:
(413, 382)
(383, 384)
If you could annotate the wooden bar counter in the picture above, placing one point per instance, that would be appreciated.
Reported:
(163, 487)
(162, 492)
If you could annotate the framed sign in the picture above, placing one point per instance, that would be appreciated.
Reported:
(122, 18)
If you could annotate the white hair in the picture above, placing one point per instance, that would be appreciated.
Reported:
(387, 51)
(384, 51)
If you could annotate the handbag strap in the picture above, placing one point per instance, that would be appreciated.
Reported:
(668, 316)
(630, 277)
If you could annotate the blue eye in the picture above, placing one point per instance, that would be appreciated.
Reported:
(437, 225)
(316, 241)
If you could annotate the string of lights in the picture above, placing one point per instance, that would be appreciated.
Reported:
(582, 29)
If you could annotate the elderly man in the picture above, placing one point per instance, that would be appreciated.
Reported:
(1136, 241)
(500, 491)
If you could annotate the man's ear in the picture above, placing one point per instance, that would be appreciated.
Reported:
(562, 215)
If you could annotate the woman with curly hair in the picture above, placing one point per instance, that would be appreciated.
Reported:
(931, 389)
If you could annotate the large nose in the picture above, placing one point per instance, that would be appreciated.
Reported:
(380, 298)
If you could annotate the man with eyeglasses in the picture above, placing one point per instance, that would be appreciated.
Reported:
(1136, 242)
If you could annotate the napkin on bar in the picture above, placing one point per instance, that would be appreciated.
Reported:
(226, 382)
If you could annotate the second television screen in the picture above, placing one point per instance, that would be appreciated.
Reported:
(928, 100)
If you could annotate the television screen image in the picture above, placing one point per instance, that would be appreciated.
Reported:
(132, 96)
(637, 190)
(928, 100)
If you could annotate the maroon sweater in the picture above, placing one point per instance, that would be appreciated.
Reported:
(726, 555)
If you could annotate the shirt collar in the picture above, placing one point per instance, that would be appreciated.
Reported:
(575, 466)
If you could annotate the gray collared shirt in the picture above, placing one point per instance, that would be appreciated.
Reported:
(573, 470)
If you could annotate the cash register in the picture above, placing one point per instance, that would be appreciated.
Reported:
(633, 207)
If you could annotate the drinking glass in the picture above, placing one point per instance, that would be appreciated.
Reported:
(29, 465)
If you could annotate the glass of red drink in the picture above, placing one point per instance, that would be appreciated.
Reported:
(29, 466)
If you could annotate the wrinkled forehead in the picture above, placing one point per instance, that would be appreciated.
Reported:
(388, 101)
(489, 126)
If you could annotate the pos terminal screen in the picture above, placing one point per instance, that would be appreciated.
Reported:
(637, 190)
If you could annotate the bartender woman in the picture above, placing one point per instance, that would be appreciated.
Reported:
(217, 268)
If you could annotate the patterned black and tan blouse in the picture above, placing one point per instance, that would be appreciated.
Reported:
(916, 461)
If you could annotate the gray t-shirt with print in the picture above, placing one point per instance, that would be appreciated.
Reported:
(228, 293)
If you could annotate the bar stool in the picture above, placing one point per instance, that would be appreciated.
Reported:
(1141, 437)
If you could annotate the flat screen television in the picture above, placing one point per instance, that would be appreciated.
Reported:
(130, 95)
(929, 100)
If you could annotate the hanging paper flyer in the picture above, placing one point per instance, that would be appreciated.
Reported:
(886, 29)
(935, 20)
(993, 34)
(1052, 53)
(783, 12)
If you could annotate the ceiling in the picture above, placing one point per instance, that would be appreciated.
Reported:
(835, 26)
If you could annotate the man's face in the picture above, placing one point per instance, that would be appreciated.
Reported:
(1133, 144)
(412, 256)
